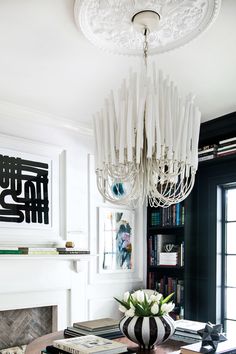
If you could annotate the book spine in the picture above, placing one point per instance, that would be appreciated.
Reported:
(73, 252)
(67, 348)
(225, 153)
(205, 158)
(10, 251)
(227, 147)
(226, 141)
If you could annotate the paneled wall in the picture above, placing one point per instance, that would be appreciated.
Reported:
(78, 203)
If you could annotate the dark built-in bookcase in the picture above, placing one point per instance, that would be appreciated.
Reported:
(201, 273)
(166, 226)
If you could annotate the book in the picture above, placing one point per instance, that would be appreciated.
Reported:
(10, 251)
(53, 350)
(204, 158)
(226, 152)
(225, 141)
(101, 323)
(70, 332)
(227, 147)
(50, 349)
(223, 347)
(73, 252)
(189, 326)
(90, 344)
(95, 332)
(38, 250)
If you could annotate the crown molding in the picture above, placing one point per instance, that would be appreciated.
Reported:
(12, 110)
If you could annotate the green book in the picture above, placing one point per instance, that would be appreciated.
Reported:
(10, 251)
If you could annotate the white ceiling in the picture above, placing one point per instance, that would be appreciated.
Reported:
(47, 65)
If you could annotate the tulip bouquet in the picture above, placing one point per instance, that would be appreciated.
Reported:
(145, 304)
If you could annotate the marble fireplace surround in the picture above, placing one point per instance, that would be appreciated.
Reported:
(38, 281)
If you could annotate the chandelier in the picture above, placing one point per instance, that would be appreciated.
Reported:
(146, 137)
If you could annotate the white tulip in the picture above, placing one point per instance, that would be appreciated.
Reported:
(138, 295)
(130, 313)
(155, 308)
(126, 296)
(166, 308)
(156, 297)
(122, 308)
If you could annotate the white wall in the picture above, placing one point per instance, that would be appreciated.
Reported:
(79, 202)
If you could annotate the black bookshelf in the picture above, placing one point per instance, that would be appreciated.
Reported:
(166, 226)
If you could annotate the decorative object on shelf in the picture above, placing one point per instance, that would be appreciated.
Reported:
(211, 336)
(146, 140)
(146, 318)
(69, 244)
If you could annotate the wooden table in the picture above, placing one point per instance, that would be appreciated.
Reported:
(40, 343)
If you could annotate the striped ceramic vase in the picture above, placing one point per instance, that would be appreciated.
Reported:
(148, 331)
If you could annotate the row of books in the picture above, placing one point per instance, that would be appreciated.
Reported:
(158, 251)
(167, 285)
(41, 250)
(104, 327)
(224, 148)
(171, 216)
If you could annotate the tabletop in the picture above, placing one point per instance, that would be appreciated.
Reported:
(40, 343)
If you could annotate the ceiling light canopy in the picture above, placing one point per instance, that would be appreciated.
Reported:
(146, 137)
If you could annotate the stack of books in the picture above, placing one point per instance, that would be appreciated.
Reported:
(228, 346)
(186, 331)
(103, 327)
(207, 152)
(38, 250)
(71, 250)
(227, 147)
(168, 258)
(41, 250)
(86, 345)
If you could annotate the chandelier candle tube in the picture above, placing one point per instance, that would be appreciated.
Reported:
(130, 130)
(112, 119)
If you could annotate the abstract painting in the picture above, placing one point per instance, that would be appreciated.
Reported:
(116, 234)
(24, 189)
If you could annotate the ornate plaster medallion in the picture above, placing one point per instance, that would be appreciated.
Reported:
(108, 23)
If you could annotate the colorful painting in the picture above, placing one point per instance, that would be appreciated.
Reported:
(116, 233)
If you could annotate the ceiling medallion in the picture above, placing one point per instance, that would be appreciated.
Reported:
(108, 23)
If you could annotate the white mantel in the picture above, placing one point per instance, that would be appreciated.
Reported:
(35, 281)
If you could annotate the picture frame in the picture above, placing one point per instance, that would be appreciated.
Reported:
(29, 191)
(116, 237)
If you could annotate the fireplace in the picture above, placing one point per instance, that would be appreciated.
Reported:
(20, 327)
(41, 294)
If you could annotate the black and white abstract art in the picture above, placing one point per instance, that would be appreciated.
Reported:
(24, 189)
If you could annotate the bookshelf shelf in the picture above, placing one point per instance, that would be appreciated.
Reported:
(165, 267)
(165, 244)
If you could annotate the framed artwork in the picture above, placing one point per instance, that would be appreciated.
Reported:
(116, 237)
(29, 191)
(25, 190)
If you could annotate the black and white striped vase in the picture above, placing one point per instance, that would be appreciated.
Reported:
(147, 331)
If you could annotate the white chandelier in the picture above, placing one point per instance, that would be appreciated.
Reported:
(146, 138)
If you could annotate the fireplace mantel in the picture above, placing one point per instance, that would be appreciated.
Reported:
(61, 281)
(76, 259)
